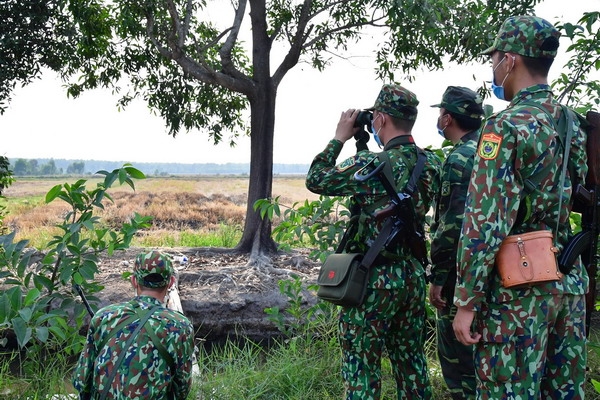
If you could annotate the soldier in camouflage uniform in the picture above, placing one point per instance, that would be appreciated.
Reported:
(530, 342)
(392, 316)
(158, 362)
(460, 119)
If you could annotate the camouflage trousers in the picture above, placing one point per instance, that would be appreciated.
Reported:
(392, 321)
(456, 359)
(532, 348)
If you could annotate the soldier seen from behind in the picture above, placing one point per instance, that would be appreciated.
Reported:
(459, 121)
(530, 341)
(391, 319)
(139, 349)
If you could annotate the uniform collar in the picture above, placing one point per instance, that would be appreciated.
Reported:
(473, 135)
(540, 91)
(147, 299)
(399, 141)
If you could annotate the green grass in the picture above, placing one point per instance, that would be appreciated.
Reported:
(304, 367)
(225, 236)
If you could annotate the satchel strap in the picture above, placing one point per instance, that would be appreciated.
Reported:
(565, 124)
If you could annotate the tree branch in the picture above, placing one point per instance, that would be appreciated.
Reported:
(164, 51)
(186, 22)
(227, 48)
(177, 35)
(293, 55)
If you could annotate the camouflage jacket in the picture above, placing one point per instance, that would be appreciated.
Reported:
(327, 178)
(143, 374)
(449, 211)
(514, 144)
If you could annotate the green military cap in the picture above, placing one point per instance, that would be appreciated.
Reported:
(463, 101)
(153, 269)
(396, 101)
(528, 36)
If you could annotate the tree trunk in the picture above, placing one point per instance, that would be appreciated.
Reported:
(256, 238)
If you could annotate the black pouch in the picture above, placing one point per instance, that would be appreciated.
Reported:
(343, 280)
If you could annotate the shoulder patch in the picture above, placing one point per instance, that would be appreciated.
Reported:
(489, 146)
(347, 163)
(445, 188)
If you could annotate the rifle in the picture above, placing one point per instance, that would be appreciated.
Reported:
(587, 202)
(79, 291)
(405, 229)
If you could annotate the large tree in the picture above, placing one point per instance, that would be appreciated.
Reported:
(202, 74)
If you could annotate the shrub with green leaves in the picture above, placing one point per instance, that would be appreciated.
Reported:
(317, 224)
(38, 302)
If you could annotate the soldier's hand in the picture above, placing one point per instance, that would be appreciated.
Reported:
(345, 127)
(462, 327)
(435, 296)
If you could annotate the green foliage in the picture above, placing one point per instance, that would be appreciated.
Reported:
(462, 29)
(317, 224)
(6, 174)
(38, 304)
(575, 84)
(34, 34)
(298, 319)
(6, 179)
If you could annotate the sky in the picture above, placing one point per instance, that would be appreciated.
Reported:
(41, 122)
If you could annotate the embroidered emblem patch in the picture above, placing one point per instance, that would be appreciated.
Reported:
(445, 188)
(344, 165)
(489, 146)
(331, 275)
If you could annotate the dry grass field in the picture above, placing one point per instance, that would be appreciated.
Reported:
(199, 204)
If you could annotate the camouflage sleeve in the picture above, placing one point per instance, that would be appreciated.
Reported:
(83, 374)
(491, 206)
(182, 381)
(326, 178)
(456, 172)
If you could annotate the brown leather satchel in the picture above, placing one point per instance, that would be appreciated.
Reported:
(527, 259)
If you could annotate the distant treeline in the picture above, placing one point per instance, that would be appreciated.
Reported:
(50, 166)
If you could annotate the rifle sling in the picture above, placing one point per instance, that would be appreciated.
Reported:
(411, 186)
(385, 231)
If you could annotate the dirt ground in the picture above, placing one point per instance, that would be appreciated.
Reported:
(219, 292)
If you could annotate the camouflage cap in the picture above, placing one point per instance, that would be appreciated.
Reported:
(396, 101)
(528, 36)
(463, 101)
(153, 269)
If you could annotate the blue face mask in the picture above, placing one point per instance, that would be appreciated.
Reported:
(440, 131)
(376, 133)
(498, 90)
